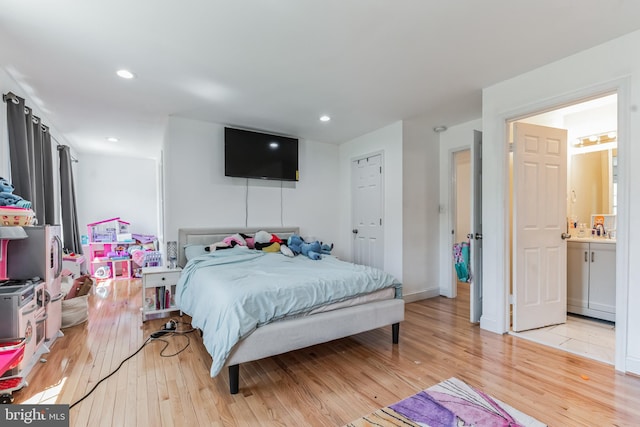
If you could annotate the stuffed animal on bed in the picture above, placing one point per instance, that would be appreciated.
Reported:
(326, 249)
(7, 198)
(312, 250)
(267, 242)
(227, 242)
(234, 240)
(250, 240)
(299, 246)
(294, 242)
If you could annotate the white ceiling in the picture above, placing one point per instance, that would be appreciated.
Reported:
(277, 65)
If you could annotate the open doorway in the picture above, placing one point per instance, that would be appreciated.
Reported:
(591, 129)
(464, 191)
(462, 204)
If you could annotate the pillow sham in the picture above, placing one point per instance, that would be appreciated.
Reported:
(193, 250)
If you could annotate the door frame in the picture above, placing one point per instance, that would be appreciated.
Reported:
(503, 235)
(455, 139)
(447, 276)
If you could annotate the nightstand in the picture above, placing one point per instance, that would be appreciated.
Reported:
(158, 290)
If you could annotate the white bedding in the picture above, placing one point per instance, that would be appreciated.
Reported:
(230, 293)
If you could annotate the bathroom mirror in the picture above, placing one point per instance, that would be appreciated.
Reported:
(592, 184)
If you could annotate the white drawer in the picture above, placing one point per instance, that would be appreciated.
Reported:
(161, 279)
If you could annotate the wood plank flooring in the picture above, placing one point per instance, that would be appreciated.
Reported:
(324, 385)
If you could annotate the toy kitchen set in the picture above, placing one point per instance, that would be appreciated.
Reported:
(30, 293)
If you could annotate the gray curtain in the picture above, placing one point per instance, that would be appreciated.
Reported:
(19, 145)
(70, 230)
(47, 167)
(31, 159)
(37, 175)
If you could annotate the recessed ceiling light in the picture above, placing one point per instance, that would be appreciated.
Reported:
(325, 118)
(112, 139)
(125, 74)
(439, 129)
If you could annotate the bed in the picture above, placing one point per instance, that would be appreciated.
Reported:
(288, 324)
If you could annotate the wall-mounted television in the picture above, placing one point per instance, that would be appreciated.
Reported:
(249, 154)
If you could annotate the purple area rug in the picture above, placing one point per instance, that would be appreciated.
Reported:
(451, 403)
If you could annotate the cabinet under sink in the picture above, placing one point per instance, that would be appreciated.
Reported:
(591, 278)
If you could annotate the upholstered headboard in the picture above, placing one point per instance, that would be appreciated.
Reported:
(207, 236)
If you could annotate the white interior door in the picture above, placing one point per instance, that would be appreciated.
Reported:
(368, 231)
(539, 224)
(476, 229)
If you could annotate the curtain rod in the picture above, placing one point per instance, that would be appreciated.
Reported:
(10, 96)
(61, 146)
(36, 120)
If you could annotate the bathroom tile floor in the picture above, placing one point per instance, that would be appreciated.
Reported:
(585, 336)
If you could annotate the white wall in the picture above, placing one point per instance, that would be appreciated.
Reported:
(197, 194)
(420, 168)
(115, 186)
(387, 140)
(567, 80)
(456, 138)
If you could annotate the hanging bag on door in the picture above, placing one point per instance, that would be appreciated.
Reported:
(461, 261)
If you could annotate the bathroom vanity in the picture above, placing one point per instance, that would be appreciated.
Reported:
(591, 277)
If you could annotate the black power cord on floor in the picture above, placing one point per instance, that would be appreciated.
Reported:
(169, 328)
(116, 370)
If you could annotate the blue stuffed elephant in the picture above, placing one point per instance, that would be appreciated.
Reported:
(7, 198)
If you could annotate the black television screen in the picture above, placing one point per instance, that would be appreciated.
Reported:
(250, 154)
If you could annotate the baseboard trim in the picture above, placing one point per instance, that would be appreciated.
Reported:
(490, 325)
(633, 366)
(421, 295)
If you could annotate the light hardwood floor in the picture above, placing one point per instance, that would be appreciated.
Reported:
(324, 385)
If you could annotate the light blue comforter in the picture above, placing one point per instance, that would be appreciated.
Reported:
(229, 293)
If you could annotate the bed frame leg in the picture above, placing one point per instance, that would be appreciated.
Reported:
(234, 378)
(395, 332)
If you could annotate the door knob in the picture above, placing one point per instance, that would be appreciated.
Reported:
(354, 231)
(565, 236)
